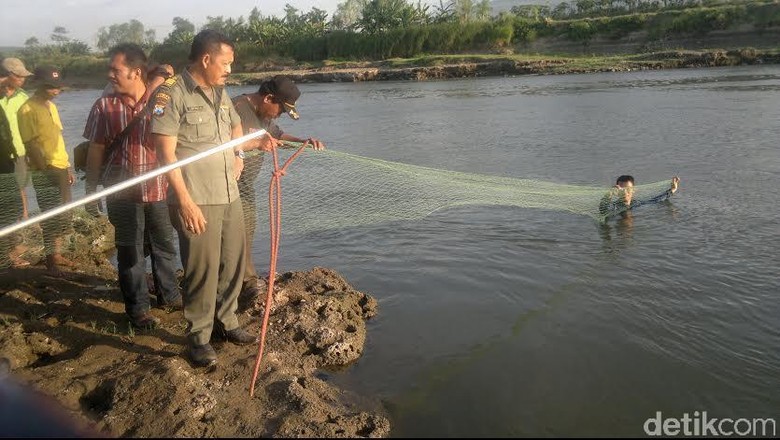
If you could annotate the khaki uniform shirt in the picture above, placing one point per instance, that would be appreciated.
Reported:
(184, 110)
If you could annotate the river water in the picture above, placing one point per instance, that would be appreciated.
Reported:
(515, 322)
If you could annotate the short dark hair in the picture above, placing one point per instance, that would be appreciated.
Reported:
(265, 88)
(625, 179)
(208, 41)
(135, 58)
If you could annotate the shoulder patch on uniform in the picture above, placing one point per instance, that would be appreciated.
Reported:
(160, 101)
(162, 96)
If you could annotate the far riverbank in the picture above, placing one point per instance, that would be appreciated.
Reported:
(463, 66)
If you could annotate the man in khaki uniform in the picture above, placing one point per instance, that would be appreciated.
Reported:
(193, 113)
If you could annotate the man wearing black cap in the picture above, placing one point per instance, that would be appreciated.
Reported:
(41, 130)
(258, 111)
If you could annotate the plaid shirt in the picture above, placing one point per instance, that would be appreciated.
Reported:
(135, 155)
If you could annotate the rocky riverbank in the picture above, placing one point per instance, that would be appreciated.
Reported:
(513, 65)
(439, 67)
(69, 339)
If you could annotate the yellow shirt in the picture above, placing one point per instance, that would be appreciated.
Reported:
(11, 105)
(40, 121)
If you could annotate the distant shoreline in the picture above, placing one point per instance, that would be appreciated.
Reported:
(469, 66)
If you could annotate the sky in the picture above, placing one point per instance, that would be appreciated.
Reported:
(22, 19)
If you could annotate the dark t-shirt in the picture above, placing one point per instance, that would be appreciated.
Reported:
(249, 120)
(252, 164)
(611, 204)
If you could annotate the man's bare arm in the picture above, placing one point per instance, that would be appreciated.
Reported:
(315, 143)
(95, 157)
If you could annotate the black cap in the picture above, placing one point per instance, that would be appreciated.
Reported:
(284, 90)
(49, 77)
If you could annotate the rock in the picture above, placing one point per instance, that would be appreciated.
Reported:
(140, 384)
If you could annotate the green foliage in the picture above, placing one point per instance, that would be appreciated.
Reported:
(174, 54)
(306, 48)
(384, 15)
(412, 41)
(533, 12)
(443, 12)
(131, 32)
(348, 14)
(679, 18)
(765, 16)
(581, 30)
(60, 53)
(497, 35)
(620, 26)
(231, 28)
(416, 40)
(183, 32)
(72, 57)
(59, 35)
(384, 29)
(84, 66)
(577, 9)
(701, 21)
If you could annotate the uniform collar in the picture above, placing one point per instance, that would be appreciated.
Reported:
(189, 81)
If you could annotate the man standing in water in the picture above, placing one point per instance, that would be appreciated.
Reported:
(258, 111)
(620, 198)
(193, 113)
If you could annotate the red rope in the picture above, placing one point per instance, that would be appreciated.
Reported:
(275, 214)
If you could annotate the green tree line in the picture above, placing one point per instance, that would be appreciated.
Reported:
(381, 29)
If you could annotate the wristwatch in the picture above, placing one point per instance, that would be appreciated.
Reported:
(240, 154)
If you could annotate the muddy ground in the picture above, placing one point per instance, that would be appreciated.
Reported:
(69, 339)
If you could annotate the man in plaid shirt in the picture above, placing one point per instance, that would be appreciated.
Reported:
(116, 155)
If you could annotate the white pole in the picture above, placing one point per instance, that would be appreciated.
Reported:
(127, 184)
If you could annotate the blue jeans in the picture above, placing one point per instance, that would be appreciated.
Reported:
(132, 222)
